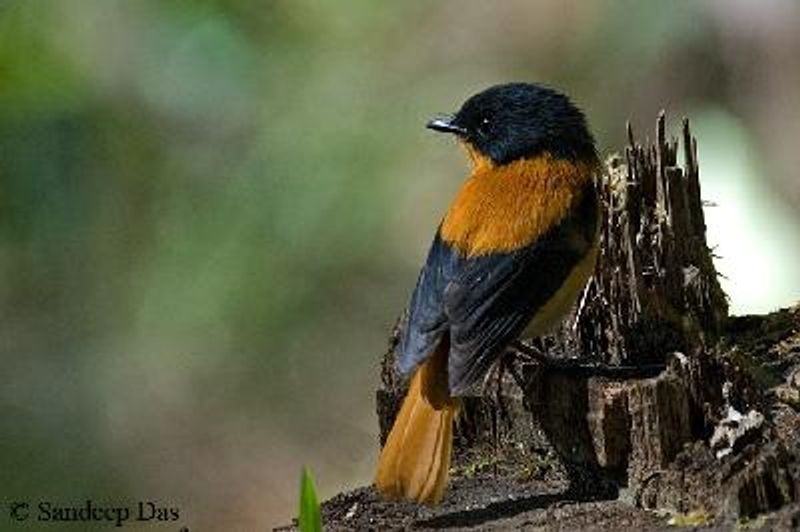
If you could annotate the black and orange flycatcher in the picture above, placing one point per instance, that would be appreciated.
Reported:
(513, 251)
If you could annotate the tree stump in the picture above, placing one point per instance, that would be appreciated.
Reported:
(635, 373)
(654, 292)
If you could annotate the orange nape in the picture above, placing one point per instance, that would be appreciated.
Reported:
(415, 461)
(501, 209)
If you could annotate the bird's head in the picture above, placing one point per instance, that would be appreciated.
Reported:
(514, 121)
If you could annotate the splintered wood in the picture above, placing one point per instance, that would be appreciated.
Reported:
(655, 289)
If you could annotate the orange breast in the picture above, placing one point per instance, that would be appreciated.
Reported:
(503, 208)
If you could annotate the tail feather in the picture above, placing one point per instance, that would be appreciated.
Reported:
(415, 461)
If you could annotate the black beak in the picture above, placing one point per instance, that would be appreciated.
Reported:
(446, 124)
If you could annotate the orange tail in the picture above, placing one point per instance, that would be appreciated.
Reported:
(415, 461)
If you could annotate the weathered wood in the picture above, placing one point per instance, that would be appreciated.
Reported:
(609, 424)
(659, 414)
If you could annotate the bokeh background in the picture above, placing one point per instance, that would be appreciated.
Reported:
(211, 213)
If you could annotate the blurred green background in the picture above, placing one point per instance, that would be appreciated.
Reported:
(211, 213)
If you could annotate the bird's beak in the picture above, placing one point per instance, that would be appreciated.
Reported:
(446, 124)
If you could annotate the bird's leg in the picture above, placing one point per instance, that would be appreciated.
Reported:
(530, 352)
(497, 411)
(508, 360)
(498, 414)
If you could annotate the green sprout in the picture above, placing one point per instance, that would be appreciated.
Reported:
(310, 518)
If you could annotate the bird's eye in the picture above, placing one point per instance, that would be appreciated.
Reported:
(483, 126)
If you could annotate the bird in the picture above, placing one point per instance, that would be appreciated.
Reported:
(512, 253)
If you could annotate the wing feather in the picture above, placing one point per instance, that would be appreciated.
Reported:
(485, 302)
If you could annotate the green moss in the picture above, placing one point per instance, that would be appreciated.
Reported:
(480, 464)
(695, 518)
(756, 523)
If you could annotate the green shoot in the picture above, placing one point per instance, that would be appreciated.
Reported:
(310, 519)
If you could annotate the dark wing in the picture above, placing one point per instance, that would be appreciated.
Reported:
(495, 298)
(486, 302)
(427, 320)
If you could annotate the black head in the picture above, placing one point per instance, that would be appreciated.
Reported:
(520, 121)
